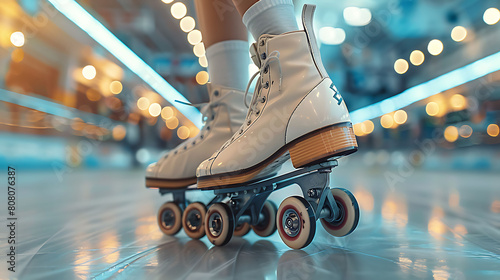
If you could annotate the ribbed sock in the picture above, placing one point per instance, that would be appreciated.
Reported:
(228, 64)
(270, 17)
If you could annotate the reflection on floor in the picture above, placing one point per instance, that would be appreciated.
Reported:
(102, 224)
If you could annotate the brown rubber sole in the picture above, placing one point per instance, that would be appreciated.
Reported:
(156, 183)
(317, 146)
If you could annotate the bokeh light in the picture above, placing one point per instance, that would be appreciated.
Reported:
(400, 116)
(432, 109)
(465, 131)
(202, 77)
(17, 39)
(491, 16)
(203, 61)
(93, 95)
(155, 109)
(357, 16)
(401, 66)
(367, 127)
(89, 72)
(167, 1)
(493, 130)
(194, 37)
(386, 121)
(183, 132)
(331, 36)
(143, 103)
(172, 123)
(178, 10)
(187, 24)
(458, 102)
(417, 57)
(435, 47)
(115, 87)
(17, 55)
(167, 112)
(199, 50)
(459, 33)
(451, 134)
(119, 132)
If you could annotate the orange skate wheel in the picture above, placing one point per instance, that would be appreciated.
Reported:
(193, 219)
(169, 218)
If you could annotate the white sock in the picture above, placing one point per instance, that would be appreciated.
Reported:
(270, 17)
(228, 64)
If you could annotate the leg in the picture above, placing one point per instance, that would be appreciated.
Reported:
(243, 5)
(219, 21)
(225, 38)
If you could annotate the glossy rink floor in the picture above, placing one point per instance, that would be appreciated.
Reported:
(102, 224)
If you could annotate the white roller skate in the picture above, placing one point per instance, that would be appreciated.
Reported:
(296, 112)
(176, 170)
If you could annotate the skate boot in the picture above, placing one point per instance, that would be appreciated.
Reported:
(296, 112)
(176, 170)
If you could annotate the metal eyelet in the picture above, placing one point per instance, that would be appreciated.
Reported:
(216, 93)
(266, 69)
(263, 56)
(201, 136)
(257, 112)
(213, 117)
(266, 86)
(185, 147)
(263, 100)
(208, 127)
(249, 122)
(241, 131)
(262, 43)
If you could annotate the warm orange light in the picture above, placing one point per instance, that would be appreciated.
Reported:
(167, 112)
(451, 134)
(367, 127)
(493, 130)
(143, 103)
(400, 117)
(172, 123)
(116, 87)
(432, 109)
(17, 55)
(119, 132)
(458, 102)
(386, 121)
(358, 131)
(202, 77)
(183, 132)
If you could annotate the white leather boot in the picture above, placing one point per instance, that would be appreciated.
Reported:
(295, 112)
(223, 116)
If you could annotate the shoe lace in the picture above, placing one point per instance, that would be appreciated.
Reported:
(273, 57)
(208, 115)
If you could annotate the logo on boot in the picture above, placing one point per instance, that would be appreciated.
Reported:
(337, 95)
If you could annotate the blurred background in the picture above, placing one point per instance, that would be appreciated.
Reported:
(74, 96)
(87, 100)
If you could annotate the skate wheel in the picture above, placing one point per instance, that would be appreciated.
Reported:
(219, 224)
(296, 222)
(349, 214)
(267, 226)
(169, 218)
(242, 230)
(193, 219)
